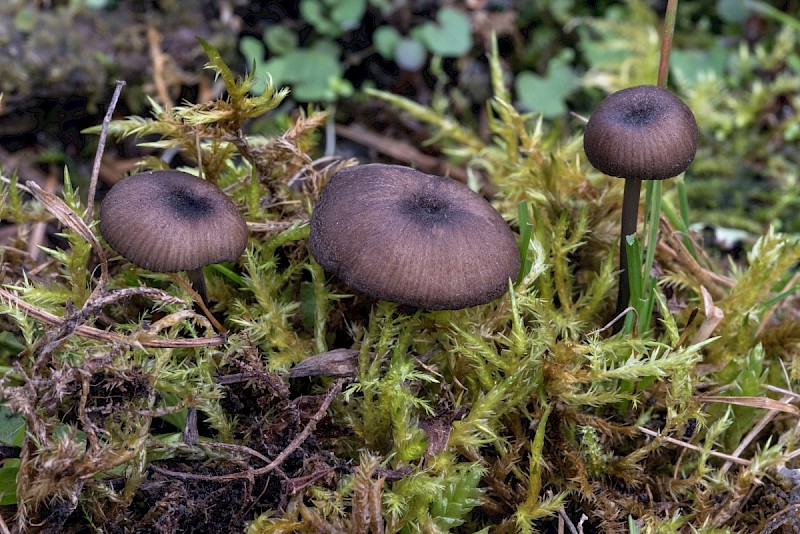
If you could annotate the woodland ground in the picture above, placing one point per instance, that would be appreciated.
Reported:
(327, 412)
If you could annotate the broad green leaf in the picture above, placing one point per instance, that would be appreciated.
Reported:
(410, 54)
(279, 39)
(253, 51)
(312, 73)
(8, 481)
(385, 39)
(451, 36)
(547, 94)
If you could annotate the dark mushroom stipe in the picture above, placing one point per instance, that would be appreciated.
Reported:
(630, 218)
(404, 236)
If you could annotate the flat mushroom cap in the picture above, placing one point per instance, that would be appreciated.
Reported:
(643, 132)
(401, 235)
(168, 221)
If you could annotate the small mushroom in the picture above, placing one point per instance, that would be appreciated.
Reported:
(169, 221)
(404, 236)
(639, 133)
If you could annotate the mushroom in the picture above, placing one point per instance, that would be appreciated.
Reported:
(400, 235)
(639, 133)
(169, 221)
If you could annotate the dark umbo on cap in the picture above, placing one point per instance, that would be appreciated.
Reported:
(168, 221)
(404, 236)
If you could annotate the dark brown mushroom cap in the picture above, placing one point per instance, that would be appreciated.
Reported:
(404, 236)
(642, 132)
(167, 221)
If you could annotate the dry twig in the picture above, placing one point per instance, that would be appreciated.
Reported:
(3, 527)
(38, 232)
(141, 338)
(680, 443)
(673, 248)
(101, 143)
(71, 220)
(333, 390)
(768, 316)
(401, 151)
(714, 316)
(779, 519)
(157, 57)
(782, 405)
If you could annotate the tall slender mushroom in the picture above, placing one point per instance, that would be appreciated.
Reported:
(170, 221)
(404, 236)
(639, 133)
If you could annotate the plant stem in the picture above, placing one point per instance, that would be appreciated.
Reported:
(98, 157)
(648, 281)
(666, 41)
(198, 281)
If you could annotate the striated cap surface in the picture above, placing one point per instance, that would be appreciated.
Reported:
(643, 132)
(167, 221)
(404, 236)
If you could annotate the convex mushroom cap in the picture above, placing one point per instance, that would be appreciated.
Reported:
(169, 221)
(404, 236)
(643, 132)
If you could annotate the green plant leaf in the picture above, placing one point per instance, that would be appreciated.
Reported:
(632, 528)
(100, 4)
(735, 11)
(547, 94)
(12, 427)
(347, 14)
(253, 51)
(218, 64)
(279, 39)
(314, 74)
(333, 17)
(450, 37)
(525, 232)
(410, 54)
(385, 39)
(8, 482)
(313, 13)
(689, 65)
(460, 495)
(9, 342)
(26, 20)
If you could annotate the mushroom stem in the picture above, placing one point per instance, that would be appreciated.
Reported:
(199, 299)
(198, 281)
(630, 217)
